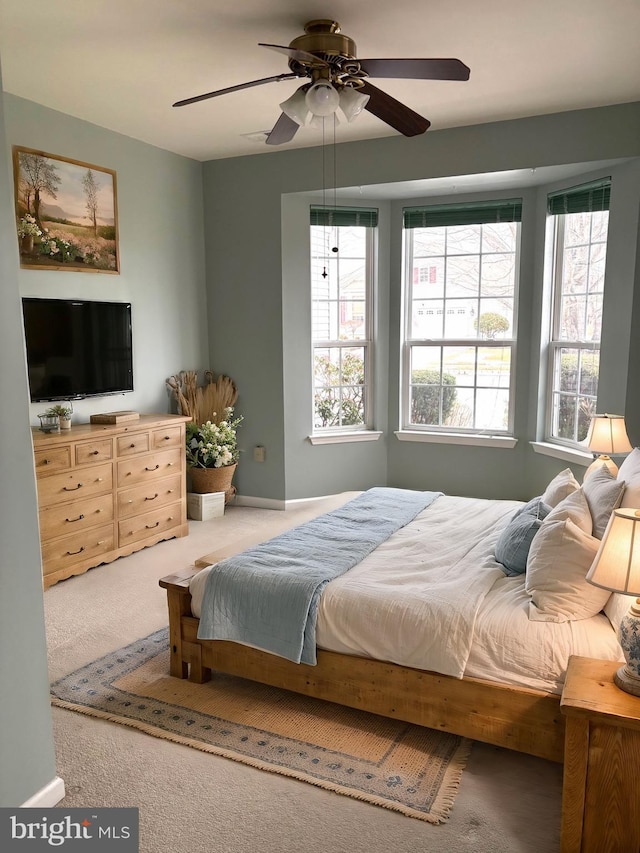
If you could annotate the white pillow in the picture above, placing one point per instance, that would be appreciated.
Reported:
(630, 473)
(603, 493)
(562, 485)
(617, 607)
(574, 507)
(559, 559)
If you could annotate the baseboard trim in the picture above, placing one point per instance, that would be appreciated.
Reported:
(272, 503)
(47, 797)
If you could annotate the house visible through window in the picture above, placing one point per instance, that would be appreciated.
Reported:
(460, 318)
(580, 219)
(342, 248)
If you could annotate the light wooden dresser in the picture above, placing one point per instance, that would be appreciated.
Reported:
(105, 491)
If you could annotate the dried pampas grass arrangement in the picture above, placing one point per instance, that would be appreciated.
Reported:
(206, 402)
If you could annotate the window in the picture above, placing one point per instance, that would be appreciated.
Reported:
(342, 248)
(579, 219)
(458, 363)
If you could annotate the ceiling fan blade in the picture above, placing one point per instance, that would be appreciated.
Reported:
(234, 89)
(283, 130)
(416, 69)
(302, 56)
(391, 111)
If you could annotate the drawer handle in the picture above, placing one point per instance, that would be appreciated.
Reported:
(167, 438)
(101, 541)
(153, 498)
(169, 464)
(72, 488)
(73, 553)
(155, 468)
(99, 479)
(45, 461)
(79, 518)
(95, 452)
(151, 526)
(133, 444)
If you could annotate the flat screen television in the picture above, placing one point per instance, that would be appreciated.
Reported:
(77, 348)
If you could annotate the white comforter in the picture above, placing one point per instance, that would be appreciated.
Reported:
(433, 597)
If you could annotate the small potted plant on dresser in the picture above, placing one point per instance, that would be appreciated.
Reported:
(64, 414)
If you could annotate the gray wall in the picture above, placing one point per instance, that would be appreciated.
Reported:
(26, 738)
(160, 216)
(160, 206)
(257, 281)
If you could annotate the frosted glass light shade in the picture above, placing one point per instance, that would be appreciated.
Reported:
(296, 107)
(322, 99)
(352, 102)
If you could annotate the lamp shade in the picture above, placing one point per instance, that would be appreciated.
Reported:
(608, 434)
(322, 99)
(296, 107)
(352, 102)
(617, 564)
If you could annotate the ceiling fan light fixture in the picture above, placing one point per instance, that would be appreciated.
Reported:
(352, 102)
(296, 107)
(322, 99)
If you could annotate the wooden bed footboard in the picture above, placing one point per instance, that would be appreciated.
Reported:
(515, 718)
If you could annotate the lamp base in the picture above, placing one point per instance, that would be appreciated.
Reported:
(627, 677)
(627, 680)
(599, 462)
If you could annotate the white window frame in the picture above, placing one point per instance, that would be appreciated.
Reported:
(556, 344)
(409, 343)
(366, 344)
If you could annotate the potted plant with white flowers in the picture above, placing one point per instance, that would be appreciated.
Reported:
(212, 454)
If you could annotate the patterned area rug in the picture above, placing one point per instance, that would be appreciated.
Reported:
(392, 764)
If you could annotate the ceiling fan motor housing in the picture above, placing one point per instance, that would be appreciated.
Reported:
(323, 38)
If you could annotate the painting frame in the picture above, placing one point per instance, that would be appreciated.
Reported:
(66, 213)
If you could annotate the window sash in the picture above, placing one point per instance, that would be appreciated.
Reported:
(582, 404)
(364, 343)
(476, 343)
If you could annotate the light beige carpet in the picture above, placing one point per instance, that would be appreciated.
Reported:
(386, 762)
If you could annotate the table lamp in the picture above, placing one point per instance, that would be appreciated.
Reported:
(607, 436)
(617, 567)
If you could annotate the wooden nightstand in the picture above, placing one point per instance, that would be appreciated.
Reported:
(601, 788)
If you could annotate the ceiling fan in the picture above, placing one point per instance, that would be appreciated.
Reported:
(337, 78)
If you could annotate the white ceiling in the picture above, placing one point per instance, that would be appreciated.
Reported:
(121, 64)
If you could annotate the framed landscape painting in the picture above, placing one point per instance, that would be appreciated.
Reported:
(66, 213)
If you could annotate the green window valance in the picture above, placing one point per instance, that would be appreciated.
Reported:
(365, 217)
(475, 213)
(585, 198)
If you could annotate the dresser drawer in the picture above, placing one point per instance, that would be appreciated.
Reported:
(77, 484)
(78, 548)
(129, 445)
(149, 524)
(169, 437)
(76, 516)
(148, 496)
(88, 452)
(55, 459)
(144, 469)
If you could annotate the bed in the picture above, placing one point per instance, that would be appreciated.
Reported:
(376, 651)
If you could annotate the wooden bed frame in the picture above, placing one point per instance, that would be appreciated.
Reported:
(521, 719)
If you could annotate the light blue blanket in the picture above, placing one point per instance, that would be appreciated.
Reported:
(268, 595)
